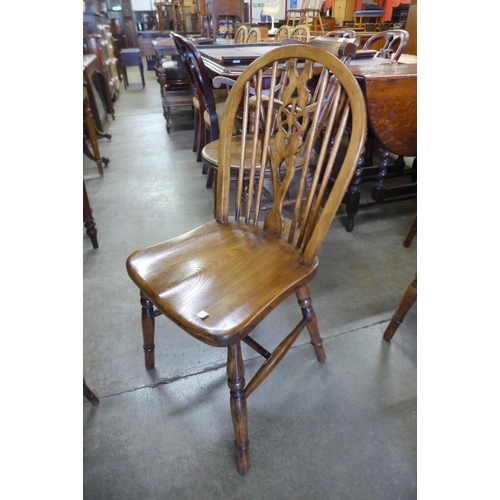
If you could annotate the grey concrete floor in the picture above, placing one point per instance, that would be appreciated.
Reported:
(345, 430)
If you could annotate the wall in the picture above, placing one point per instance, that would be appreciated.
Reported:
(143, 5)
(385, 5)
(258, 5)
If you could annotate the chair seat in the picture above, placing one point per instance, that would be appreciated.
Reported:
(174, 70)
(210, 153)
(235, 272)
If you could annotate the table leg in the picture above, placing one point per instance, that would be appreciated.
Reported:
(88, 220)
(92, 136)
(378, 190)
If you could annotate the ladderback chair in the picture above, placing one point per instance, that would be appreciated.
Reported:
(241, 35)
(219, 281)
(395, 43)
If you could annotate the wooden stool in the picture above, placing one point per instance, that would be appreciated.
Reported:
(128, 58)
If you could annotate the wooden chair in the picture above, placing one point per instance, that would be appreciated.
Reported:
(241, 35)
(207, 104)
(301, 33)
(177, 91)
(395, 43)
(253, 35)
(282, 33)
(309, 13)
(219, 281)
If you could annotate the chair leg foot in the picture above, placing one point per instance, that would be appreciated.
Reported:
(309, 315)
(411, 234)
(88, 394)
(407, 301)
(148, 331)
(238, 404)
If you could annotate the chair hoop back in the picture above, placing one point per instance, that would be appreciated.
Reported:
(301, 33)
(282, 33)
(290, 125)
(394, 39)
(241, 35)
(254, 35)
(341, 34)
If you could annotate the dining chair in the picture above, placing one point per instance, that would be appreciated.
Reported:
(395, 43)
(309, 13)
(301, 33)
(218, 282)
(241, 35)
(282, 33)
(207, 103)
(253, 35)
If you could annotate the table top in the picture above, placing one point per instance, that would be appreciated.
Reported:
(231, 61)
(386, 84)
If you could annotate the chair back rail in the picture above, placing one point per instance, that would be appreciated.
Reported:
(395, 43)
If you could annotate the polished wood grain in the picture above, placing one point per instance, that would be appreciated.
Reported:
(220, 280)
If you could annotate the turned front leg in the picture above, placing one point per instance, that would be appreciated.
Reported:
(148, 331)
(238, 403)
(309, 315)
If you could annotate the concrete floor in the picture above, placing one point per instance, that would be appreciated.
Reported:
(345, 430)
